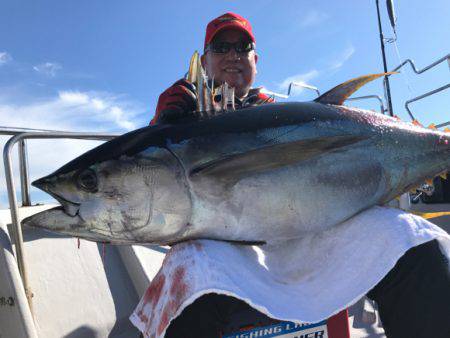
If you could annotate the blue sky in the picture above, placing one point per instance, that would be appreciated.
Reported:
(100, 65)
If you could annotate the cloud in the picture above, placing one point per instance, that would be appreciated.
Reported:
(73, 110)
(48, 68)
(343, 57)
(299, 78)
(313, 18)
(104, 108)
(73, 97)
(4, 58)
(68, 111)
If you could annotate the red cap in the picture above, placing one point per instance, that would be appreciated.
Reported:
(228, 21)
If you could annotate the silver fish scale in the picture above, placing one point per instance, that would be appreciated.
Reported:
(269, 173)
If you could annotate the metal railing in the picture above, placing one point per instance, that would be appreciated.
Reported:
(420, 71)
(423, 96)
(4, 130)
(376, 97)
(20, 135)
(315, 89)
(443, 124)
(302, 85)
(291, 85)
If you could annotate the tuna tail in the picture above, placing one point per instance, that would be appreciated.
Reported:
(342, 92)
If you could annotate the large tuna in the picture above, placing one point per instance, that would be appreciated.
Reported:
(259, 174)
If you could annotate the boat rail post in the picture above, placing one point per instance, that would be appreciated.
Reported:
(423, 96)
(20, 135)
(420, 71)
(302, 85)
(291, 85)
(382, 109)
(16, 226)
(24, 174)
(443, 124)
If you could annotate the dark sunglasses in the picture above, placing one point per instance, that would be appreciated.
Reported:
(223, 47)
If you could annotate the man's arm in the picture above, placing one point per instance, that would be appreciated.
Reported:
(175, 103)
(179, 101)
(256, 97)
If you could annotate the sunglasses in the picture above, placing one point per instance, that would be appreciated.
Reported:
(223, 47)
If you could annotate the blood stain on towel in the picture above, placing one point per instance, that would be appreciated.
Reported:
(178, 290)
(142, 317)
(153, 292)
(179, 287)
(164, 321)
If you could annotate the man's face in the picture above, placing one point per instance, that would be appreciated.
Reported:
(237, 69)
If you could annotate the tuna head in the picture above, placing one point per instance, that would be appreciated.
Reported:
(142, 198)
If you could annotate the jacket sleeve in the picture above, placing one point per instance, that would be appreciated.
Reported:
(264, 98)
(175, 103)
(256, 98)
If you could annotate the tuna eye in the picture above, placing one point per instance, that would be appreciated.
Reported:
(87, 180)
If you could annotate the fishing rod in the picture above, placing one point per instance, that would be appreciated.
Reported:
(392, 18)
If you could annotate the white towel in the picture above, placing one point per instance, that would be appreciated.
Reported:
(303, 280)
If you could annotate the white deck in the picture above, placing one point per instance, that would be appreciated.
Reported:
(76, 293)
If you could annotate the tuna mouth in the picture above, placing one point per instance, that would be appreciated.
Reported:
(70, 208)
(54, 220)
(45, 184)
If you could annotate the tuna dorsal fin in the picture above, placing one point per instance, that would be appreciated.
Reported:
(233, 167)
(340, 93)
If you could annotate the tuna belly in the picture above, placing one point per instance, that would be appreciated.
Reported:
(287, 202)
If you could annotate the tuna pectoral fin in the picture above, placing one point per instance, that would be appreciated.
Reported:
(342, 92)
(273, 157)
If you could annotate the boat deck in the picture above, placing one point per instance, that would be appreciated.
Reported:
(90, 290)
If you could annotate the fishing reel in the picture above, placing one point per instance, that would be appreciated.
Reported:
(426, 189)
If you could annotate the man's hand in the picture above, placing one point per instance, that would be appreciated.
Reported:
(175, 103)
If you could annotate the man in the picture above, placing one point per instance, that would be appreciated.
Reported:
(229, 56)
(413, 299)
